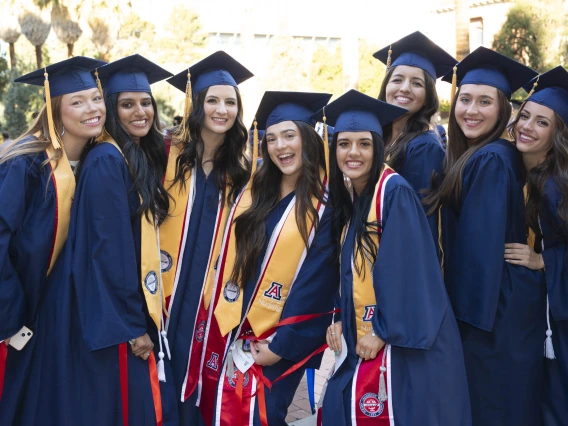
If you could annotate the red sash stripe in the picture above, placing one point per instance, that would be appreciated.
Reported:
(3, 359)
(155, 383)
(123, 367)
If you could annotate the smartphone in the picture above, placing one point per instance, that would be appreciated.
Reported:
(246, 345)
(21, 338)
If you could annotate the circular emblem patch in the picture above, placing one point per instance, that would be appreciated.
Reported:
(233, 380)
(151, 282)
(200, 331)
(165, 261)
(370, 405)
(231, 291)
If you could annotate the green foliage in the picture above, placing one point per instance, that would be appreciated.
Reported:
(166, 111)
(20, 101)
(4, 75)
(287, 70)
(444, 105)
(371, 71)
(327, 71)
(135, 36)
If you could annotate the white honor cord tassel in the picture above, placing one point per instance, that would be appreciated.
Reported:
(162, 334)
(382, 386)
(230, 363)
(548, 348)
(165, 339)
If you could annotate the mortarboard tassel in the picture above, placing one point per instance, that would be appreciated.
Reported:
(389, 58)
(182, 132)
(53, 135)
(325, 145)
(382, 395)
(511, 133)
(535, 84)
(254, 149)
(454, 85)
(548, 347)
(104, 136)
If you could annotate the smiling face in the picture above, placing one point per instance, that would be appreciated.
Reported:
(477, 111)
(407, 88)
(83, 114)
(136, 113)
(221, 109)
(284, 146)
(535, 129)
(354, 155)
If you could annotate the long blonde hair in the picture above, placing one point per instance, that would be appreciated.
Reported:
(37, 143)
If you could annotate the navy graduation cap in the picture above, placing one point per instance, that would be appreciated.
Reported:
(134, 73)
(68, 76)
(417, 50)
(218, 69)
(489, 68)
(276, 107)
(551, 90)
(357, 112)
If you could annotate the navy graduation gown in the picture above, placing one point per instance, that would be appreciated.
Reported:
(185, 303)
(424, 155)
(313, 292)
(555, 241)
(27, 217)
(413, 315)
(500, 306)
(93, 304)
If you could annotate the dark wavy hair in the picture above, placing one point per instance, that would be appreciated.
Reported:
(555, 165)
(250, 229)
(230, 162)
(447, 189)
(417, 123)
(146, 161)
(344, 207)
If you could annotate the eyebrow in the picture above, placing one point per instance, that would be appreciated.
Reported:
(131, 99)
(282, 132)
(482, 96)
(217, 97)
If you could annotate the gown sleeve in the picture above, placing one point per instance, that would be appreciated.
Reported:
(555, 260)
(13, 191)
(313, 292)
(474, 275)
(104, 269)
(410, 293)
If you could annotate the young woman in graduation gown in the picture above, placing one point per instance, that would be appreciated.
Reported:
(135, 125)
(500, 306)
(97, 366)
(207, 168)
(541, 136)
(36, 190)
(412, 148)
(403, 360)
(274, 291)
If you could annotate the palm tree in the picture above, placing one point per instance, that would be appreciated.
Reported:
(36, 30)
(462, 28)
(66, 29)
(10, 32)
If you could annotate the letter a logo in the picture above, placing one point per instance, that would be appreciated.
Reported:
(369, 312)
(213, 362)
(274, 292)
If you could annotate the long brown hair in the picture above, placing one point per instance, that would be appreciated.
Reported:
(447, 189)
(28, 143)
(417, 123)
(555, 165)
(250, 228)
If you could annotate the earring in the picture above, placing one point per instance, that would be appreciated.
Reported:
(63, 131)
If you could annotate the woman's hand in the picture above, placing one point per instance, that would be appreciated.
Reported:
(262, 355)
(333, 337)
(369, 346)
(142, 347)
(521, 254)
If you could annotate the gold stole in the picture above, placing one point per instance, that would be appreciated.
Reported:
(64, 183)
(173, 227)
(284, 254)
(364, 299)
(150, 263)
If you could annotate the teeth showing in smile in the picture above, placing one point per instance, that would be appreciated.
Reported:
(91, 120)
(140, 122)
(403, 99)
(220, 120)
(354, 163)
(285, 156)
(470, 121)
(526, 138)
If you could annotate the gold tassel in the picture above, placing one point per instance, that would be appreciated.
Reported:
(254, 149)
(454, 85)
(53, 135)
(104, 136)
(535, 84)
(182, 132)
(510, 131)
(389, 58)
(325, 145)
